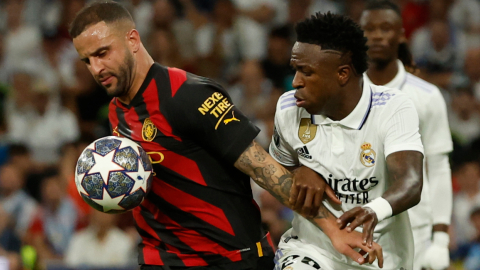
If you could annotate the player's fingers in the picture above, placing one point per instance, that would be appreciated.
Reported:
(300, 198)
(352, 254)
(317, 202)
(359, 220)
(368, 233)
(307, 204)
(293, 194)
(331, 195)
(346, 218)
(379, 252)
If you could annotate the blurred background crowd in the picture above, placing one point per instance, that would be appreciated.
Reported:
(51, 109)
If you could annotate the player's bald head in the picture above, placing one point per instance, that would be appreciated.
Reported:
(113, 14)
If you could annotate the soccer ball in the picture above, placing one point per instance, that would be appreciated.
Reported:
(113, 174)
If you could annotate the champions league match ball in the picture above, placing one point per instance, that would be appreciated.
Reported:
(113, 174)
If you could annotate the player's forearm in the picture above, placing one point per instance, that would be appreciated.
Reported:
(277, 180)
(440, 180)
(406, 170)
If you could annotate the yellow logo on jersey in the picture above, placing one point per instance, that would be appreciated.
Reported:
(149, 130)
(306, 131)
(367, 156)
(226, 121)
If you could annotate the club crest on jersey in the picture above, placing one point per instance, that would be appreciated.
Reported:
(149, 130)
(306, 131)
(367, 156)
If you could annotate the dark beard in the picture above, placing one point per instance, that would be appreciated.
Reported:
(124, 77)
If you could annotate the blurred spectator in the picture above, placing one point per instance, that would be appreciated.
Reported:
(472, 261)
(165, 50)
(463, 14)
(17, 204)
(108, 246)
(472, 70)
(277, 64)
(463, 116)
(55, 221)
(413, 16)
(22, 41)
(45, 125)
(439, 51)
(468, 178)
(256, 97)
(142, 13)
(166, 17)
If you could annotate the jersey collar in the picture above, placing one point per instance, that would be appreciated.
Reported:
(357, 117)
(397, 82)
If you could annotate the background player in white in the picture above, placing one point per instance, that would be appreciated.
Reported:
(382, 24)
(362, 138)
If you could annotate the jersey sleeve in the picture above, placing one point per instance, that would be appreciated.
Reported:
(400, 127)
(203, 112)
(279, 148)
(435, 130)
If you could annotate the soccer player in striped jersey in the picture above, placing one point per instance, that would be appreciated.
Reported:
(200, 213)
(390, 61)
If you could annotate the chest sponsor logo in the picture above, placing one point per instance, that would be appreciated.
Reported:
(218, 106)
(306, 131)
(367, 156)
(149, 130)
(352, 190)
(303, 152)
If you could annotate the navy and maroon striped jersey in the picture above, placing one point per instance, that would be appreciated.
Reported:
(200, 210)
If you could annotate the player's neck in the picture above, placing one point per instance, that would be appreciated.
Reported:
(382, 73)
(347, 102)
(143, 65)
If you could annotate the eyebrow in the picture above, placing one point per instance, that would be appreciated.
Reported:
(97, 51)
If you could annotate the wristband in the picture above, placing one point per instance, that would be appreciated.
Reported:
(441, 238)
(381, 207)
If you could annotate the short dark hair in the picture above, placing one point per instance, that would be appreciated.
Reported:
(383, 4)
(335, 32)
(106, 11)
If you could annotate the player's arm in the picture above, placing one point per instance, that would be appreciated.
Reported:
(277, 180)
(404, 158)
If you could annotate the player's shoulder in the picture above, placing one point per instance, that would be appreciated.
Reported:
(418, 86)
(383, 96)
(287, 102)
(288, 113)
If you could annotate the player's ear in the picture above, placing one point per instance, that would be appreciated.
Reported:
(133, 40)
(344, 72)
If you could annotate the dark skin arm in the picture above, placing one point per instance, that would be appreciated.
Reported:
(277, 180)
(406, 170)
(307, 191)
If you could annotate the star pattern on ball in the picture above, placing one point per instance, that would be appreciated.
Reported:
(102, 162)
(108, 203)
(139, 177)
(78, 183)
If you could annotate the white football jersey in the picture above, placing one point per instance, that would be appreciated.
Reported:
(434, 129)
(351, 156)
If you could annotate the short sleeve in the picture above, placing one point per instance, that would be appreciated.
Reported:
(434, 128)
(279, 149)
(203, 112)
(401, 127)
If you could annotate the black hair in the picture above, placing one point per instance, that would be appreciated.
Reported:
(404, 53)
(335, 32)
(106, 11)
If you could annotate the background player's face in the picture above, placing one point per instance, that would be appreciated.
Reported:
(315, 77)
(383, 29)
(104, 50)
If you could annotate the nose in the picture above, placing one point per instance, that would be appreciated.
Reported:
(297, 81)
(96, 66)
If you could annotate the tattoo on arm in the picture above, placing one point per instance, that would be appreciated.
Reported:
(271, 176)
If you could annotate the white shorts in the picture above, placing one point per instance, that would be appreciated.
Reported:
(422, 240)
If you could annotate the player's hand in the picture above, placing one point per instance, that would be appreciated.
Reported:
(359, 216)
(437, 256)
(307, 192)
(345, 242)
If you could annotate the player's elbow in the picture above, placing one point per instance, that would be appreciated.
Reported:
(416, 191)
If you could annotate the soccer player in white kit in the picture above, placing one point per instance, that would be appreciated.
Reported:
(382, 24)
(363, 139)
